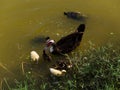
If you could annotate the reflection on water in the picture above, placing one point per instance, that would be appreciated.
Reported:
(23, 21)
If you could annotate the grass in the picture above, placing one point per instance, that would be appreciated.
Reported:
(93, 69)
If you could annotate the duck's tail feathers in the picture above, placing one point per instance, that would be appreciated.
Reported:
(81, 28)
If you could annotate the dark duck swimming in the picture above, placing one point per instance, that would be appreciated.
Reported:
(75, 15)
(68, 43)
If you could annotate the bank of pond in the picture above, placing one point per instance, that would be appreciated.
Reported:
(93, 69)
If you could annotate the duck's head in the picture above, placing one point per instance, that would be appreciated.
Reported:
(65, 13)
(49, 41)
(81, 28)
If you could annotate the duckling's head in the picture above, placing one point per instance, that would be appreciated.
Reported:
(63, 71)
(81, 28)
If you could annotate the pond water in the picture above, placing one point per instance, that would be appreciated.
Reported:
(23, 22)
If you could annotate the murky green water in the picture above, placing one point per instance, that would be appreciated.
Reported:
(21, 21)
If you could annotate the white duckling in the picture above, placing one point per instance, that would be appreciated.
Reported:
(57, 72)
(34, 56)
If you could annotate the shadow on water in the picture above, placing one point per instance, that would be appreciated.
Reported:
(38, 40)
(80, 19)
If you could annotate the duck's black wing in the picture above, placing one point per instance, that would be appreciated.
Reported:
(69, 42)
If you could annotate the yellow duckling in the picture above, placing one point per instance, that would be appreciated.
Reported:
(57, 72)
(34, 56)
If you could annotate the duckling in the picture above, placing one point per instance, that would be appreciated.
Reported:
(57, 72)
(62, 64)
(46, 56)
(34, 56)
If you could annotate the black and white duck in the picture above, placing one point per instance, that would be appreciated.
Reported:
(66, 44)
(75, 15)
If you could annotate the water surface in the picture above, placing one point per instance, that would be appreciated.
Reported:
(24, 22)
